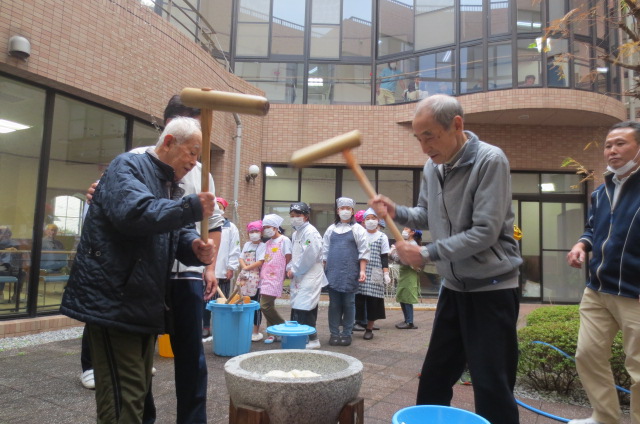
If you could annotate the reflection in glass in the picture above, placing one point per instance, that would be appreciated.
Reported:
(281, 82)
(581, 18)
(339, 84)
(325, 41)
(356, 28)
(522, 183)
(252, 40)
(499, 66)
(529, 17)
(396, 184)
(562, 283)
(582, 65)
(218, 13)
(557, 63)
(471, 75)
(351, 187)
(471, 19)
(436, 72)
(144, 135)
(563, 224)
(21, 128)
(530, 249)
(287, 29)
(498, 17)
(529, 63)
(434, 17)
(283, 185)
(395, 27)
(254, 11)
(561, 184)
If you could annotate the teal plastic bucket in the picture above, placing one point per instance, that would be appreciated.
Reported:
(232, 326)
(436, 414)
(294, 335)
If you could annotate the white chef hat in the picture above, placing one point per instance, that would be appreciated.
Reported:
(272, 220)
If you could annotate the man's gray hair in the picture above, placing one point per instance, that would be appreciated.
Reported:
(182, 128)
(443, 108)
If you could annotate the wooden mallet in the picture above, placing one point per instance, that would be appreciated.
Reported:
(342, 143)
(208, 100)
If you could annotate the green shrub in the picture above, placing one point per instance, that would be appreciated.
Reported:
(553, 314)
(543, 368)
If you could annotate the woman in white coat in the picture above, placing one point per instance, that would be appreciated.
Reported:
(305, 270)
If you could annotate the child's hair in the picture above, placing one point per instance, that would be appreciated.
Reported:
(281, 230)
(417, 235)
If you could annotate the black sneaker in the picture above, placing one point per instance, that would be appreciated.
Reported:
(334, 340)
(345, 340)
(406, 326)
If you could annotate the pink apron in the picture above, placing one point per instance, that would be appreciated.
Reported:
(272, 272)
(249, 279)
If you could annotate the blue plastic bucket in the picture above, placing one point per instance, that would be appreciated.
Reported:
(232, 326)
(294, 335)
(436, 414)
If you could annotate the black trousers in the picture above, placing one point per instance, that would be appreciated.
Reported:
(306, 318)
(478, 329)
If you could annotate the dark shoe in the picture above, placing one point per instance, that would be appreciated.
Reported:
(406, 326)
(345, 340)
(334, 340)
(358, 327)
(368, 335)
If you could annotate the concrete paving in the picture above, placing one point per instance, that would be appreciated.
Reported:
(40, 383)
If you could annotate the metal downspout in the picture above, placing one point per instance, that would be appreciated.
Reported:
(236, 172)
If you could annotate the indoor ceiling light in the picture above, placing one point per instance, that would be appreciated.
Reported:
(547, 187)
(10, 126)
(270, 172)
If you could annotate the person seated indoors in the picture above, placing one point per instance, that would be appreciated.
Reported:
(50, 261)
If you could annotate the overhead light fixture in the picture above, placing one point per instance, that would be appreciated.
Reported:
(316, 82)
(602, 69)
(7, 126)
(270, 172)
(547, 187)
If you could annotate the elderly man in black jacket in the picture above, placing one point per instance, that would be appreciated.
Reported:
(136, 226)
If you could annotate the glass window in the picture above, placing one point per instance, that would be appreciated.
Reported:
(563, 225)
(84, 140)
(252, 40)
(499, 66)
(434, 17)
(254, 11)
(562, 283)
(319, 192)
(395, 27)
(282, 184)
(556, 10)
(144, 135)
(524, 183)
(602, 72)
(580, 20)
(557, 64)
(561, 184)
(356, 28)
(287, 28)
(435, 72)
(21, 129)
(471, 73)
(390, 83)
(529, 218)
(218, 14)
(339, 84)
(529, 63)
(281, 82)
(582, 65)
(499, 17)
(396, 184)
(471, 19)
(325, 12)
(351, 187)
(529, 17)
(325, 41)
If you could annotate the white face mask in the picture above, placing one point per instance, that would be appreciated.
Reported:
(269, 232)
(255, 236)
(345, 215)
(626, 167)
(405, 235)
(371, 224)
(297, 221)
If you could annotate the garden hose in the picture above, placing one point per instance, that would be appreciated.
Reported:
(546, 414)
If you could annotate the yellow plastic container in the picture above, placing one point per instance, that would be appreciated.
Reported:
(164, 346)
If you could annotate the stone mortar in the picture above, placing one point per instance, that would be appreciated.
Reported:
(316, 400)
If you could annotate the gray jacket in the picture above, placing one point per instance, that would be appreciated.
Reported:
(470, 219)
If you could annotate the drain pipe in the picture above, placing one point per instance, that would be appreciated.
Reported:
(236, 172)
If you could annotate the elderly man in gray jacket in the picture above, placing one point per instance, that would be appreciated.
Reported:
(465, 201)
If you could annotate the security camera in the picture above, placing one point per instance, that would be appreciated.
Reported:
(19, 47)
